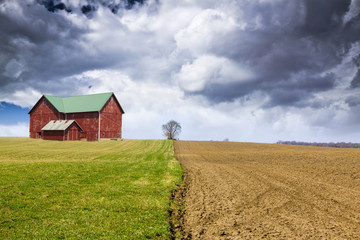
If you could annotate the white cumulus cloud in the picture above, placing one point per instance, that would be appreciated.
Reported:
(16, 130)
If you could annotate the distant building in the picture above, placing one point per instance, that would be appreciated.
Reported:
(92, 117)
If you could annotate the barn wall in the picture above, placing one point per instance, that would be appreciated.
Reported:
(111, 120)
(89, 123)
(41, 114)
(53, 135)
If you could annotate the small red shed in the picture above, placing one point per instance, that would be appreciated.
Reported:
(62, 130)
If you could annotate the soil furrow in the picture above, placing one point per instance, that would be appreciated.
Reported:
(254, 191)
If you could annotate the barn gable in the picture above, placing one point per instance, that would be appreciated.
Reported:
(41, 102)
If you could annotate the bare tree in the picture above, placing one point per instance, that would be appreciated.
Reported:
(171, 129)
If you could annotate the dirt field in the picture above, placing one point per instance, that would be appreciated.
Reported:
(254, 191)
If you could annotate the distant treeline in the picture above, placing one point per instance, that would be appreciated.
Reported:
(331, 144)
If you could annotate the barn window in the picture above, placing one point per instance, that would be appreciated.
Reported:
(103, 133)
(44, 101)
(118, 133)
(112, 100)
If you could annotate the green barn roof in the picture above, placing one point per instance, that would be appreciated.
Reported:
(84, 103)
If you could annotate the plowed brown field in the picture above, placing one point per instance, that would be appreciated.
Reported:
(254, 191)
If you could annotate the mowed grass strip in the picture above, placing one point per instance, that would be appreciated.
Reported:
(86, 190)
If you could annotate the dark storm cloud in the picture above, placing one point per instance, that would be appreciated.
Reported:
(290, 47)
(323, 17)
(299, 92)
(353, 101)
(294, 92)
(355, 83)
(90, 5)
(354, 104)
(88, 9)
(34, 44)
(292, 52)
(40, 47)
(54, 6)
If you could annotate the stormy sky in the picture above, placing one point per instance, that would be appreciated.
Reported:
(245, 70)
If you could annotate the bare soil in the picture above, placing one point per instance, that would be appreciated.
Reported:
(268, 191)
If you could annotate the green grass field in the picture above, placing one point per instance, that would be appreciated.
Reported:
(86, 190)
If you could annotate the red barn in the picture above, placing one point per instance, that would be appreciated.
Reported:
(92, 117)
